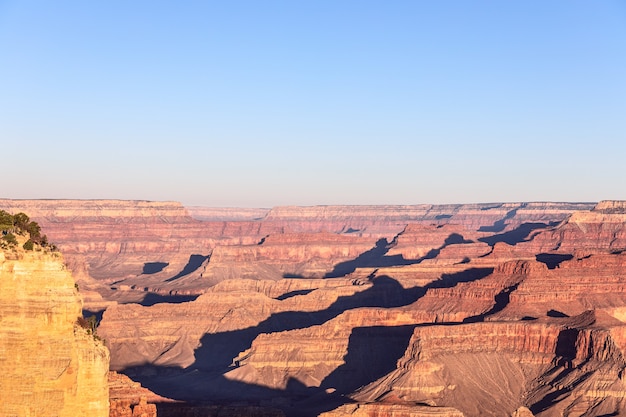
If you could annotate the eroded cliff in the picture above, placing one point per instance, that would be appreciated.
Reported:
(478, 310)
(50, 365)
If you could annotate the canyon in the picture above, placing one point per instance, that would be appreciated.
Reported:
(507, 309)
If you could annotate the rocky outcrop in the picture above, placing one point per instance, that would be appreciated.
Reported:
(602, 229)
(510, 366)
(576, 285)
(391, 410)
(128, 398)
(285, 256)
(132, 243)
(386, 221)
(50, 365)
(170, 334)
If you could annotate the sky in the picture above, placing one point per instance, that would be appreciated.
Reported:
(313, 102)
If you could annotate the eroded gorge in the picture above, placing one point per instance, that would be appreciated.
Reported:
(512, 309)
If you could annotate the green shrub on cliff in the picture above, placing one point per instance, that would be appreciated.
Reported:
(20, 224)
(6, 221)
(10, 239)
(90, 324)
(21, 221)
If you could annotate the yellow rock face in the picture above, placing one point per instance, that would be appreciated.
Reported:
(49, 366)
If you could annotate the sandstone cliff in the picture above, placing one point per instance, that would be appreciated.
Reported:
(50, 366)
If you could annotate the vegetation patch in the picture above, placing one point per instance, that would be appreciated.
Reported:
(13, 225)
(90, 324)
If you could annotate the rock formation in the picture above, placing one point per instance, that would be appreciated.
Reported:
(513, 309)
(50, 365)
(160, 246)
(128, 398)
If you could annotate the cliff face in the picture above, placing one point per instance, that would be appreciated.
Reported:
(484, 318)
(148, 244)
(512, 365)
(50, 366)
(286, 255)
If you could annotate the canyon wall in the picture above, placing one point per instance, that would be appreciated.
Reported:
(493, 320)
(513, 309)
(159, 245)
(50, 365)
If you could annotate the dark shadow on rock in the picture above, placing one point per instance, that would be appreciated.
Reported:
(556, 313)
(499, 225)
(98, 314)
(203, 410)
(198, 391)
(564, 390)
(194, 263)
(553, 260)
(366, 259)
(566, 343)
(494, 206)
(293, 294)
(372, 352)
(292, 275)
(501, 301)
(377, 258)
(153, 267)
(218, 349)
(515, 236)
(468, 275)
(549, 400)
(455, 239)
(153, 298)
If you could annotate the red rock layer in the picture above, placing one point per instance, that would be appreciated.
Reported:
(128, 398)
(469, 317)
(154, 246)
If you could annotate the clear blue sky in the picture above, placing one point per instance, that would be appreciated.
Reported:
(263, 103)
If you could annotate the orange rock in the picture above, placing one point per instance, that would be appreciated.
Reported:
(50, 365)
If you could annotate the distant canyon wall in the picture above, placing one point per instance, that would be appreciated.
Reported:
(113, 240)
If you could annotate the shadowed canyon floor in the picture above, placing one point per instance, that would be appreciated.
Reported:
(512, 309)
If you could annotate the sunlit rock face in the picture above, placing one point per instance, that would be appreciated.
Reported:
(50, 365)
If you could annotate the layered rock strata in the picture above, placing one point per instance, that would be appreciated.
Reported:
(441, 319)
(128, 398)
(515, 364)
(50, 365)
(157, 245)
(503, 309)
